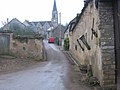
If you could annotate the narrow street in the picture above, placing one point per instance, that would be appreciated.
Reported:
(54, 74)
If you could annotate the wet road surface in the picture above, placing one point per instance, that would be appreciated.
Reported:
(54, 74)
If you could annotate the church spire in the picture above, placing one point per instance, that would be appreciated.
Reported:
(54, 7)
(55, 15)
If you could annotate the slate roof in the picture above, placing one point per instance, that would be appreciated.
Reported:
(72, 23)
(41, 22)
(16, 20)
(50, 23)
(75, 21)
(35, 23)
(28, 22)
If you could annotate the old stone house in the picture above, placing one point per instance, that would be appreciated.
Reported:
(94, 41)
(16, 40)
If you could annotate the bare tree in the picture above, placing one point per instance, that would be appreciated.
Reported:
(5, 22)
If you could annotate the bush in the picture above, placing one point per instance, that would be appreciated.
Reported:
(66, 44)
(57, 40)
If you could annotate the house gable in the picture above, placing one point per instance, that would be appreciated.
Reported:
(46, 25)
(27, 23)
(13, 22)
(39, 25)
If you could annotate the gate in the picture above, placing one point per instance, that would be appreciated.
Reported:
(4, 44)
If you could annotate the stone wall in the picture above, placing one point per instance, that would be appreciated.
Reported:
(28, 48)
(84, 55)
(92, 42)
(106, 28)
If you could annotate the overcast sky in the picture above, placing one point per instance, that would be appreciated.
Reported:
(39, 10)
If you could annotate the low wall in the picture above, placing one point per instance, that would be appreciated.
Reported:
(28, 48)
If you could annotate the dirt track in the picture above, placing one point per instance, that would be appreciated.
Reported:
(10, 64)
(54, 74)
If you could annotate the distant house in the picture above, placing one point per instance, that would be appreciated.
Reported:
(39, 27)
(14, 24)
(58, 33)
(17, 27)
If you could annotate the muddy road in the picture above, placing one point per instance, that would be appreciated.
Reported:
(54, 74)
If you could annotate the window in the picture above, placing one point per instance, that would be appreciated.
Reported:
(75, 47)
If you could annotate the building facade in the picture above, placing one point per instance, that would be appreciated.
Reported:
(93, 41)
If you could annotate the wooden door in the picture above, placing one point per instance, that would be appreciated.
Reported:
(4, 44)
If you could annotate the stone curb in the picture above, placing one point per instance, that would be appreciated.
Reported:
(70, 58)
(73, 61)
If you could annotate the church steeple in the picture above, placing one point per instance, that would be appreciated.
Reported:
(54, 7)
(54, 15)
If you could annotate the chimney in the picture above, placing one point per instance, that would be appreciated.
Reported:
(78, 15)
(7, 20)
(85, 1)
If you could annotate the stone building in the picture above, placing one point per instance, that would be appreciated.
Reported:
(94, 41)
(23, 47)
(58, 34)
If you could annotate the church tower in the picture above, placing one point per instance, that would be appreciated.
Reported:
(54, 15)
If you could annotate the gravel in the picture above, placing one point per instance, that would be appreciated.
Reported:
(10, 64)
